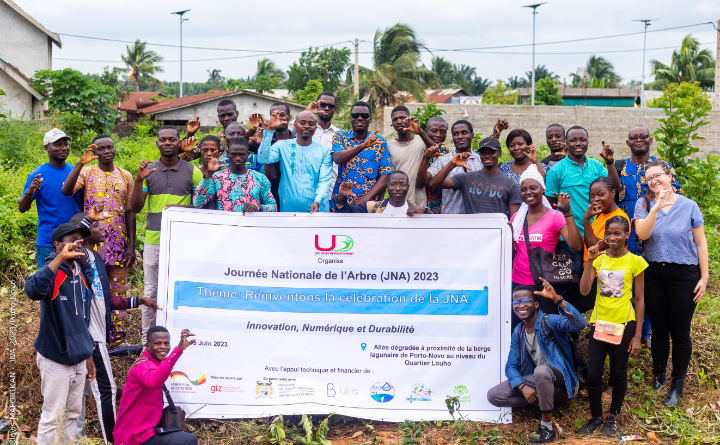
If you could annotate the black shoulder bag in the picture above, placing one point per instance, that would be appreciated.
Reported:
(578, 361)
(172, 418)
(555, 267)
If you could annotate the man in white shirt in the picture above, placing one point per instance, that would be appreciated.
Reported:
(324, 109)
(396, 203)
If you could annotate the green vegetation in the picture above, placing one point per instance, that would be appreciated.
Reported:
(327, 65)
(689, 64)
(309, 93)
(546, 93)
(500, 95)
(424, 113)
(142, 64)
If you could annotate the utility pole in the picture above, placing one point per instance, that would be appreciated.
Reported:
(357, 70)
(642, 87)
(180, 13)
(717, 69)
(532, 75)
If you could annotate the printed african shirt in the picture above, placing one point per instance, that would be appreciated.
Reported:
(633, 186)
(113, 191)
(365, 168)
(232, 192)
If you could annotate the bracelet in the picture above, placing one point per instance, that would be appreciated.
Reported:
(568, 215)
(610, 161)
(559, 301)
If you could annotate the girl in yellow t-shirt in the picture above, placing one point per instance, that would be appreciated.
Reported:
(602, 207)
(617, 270)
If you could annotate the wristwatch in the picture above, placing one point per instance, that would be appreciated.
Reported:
(610, 161)
(559, 301)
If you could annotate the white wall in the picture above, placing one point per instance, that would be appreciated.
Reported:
(246, 105)
(17, 100)
(21, 43)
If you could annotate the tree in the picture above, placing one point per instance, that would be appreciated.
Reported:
(142, 63)
(310, 93)
(70, 91)
(500, 95)
(397, 68)
(111, 78)
(689, 64)
(541, 72)
(546, 93)
(215, 80)
(2, 116)
(445, 71)
(327, 65)
(516, 82)
(267, 68)
(600, 73)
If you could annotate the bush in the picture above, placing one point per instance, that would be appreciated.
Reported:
(546, 93)
(424, 113)
(500, 95)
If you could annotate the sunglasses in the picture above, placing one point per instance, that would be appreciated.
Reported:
(523, 301)
(365, 116)
(328, 106)
(642, 137)
(398, 184)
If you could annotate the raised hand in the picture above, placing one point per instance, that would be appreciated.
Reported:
(96, 213)
(314, 107)
(607, 153)
(371, 139)
(275, 121)
(346, 189)
(143, 171)
(258, 136)
(563, 203)
(193, 126)
(413, 125)
(188, 144)
(563, 145)
(88, 155)
(460, 160)
(255, 120)
(34, 185)
(209, 167)
(502, 124)
(594, 251)
(184, 343)
(249, 207)
(433, 152)
(664, 198)
(548, 291)
(593, 210)
(413, 209)
(72, 251)
(532, 154)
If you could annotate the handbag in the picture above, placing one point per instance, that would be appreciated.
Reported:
(555, 267)
(607, 331)
(172, 417)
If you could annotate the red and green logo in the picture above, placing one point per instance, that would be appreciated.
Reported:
(197, 382)
(338, 243)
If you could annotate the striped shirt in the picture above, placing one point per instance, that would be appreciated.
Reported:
(166, 186)
(306, 172)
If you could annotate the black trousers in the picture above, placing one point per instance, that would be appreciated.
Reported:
(597, 351)
(669, 293)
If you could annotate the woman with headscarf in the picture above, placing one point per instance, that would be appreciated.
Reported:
(545, 226)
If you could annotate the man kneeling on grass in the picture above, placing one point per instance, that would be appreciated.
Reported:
(539, 371)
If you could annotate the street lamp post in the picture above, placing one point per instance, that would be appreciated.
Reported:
(642, 87)
(532, 74)
(180, 13)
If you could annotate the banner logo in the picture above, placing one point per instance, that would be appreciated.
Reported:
(420, 393)
(264, 389)
(331, 390)
(338, 243)
(197, 382)
(463, 393)
(382, 392)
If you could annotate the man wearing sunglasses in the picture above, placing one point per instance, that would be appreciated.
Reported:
(324, 109)
(397, 204)
(539, 369)
(363, 157)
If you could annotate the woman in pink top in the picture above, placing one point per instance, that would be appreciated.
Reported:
(141, 403)
(545, 226)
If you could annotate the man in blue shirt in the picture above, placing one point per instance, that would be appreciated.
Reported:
(44, 186)
(305, 165)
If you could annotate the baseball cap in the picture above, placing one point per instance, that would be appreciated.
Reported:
(54, 135)
(490, 142)
(64, 229)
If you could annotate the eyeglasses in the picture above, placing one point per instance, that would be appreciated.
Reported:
(398, 184)
(523, 301)
(365, 116)
(642, 137)
(654, 177)
(328, 106)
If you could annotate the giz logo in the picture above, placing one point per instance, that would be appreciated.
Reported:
(338, 243)
(214, 389)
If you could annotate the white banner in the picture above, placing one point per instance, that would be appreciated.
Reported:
(373, 316)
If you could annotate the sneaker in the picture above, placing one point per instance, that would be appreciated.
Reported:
(610, 426)
(591, 426)
(544, 435)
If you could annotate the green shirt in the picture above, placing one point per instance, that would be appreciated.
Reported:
(567, 177)
(167, 186)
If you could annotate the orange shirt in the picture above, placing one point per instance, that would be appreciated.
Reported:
(598, 226)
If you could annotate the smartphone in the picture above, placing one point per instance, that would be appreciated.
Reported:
(165, 430)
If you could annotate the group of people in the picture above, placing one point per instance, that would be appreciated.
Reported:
(616, 220)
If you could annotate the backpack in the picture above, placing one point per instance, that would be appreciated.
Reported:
(578, 362)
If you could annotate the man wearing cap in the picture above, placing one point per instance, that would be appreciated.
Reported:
(44, 186)
(64, 344)
(483, 191)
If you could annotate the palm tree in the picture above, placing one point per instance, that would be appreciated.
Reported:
(541, 72)
(445, 71)
(397, 67)
(690, 64)
(266, 67)
(214, 78)
(516, 82)
(601, 69)
(142, 64)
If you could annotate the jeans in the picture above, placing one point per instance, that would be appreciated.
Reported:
(669, 293)
(548, 382)
(575, 255)
(41, 253)
(151, 264)
(597, 351)
(176, 438)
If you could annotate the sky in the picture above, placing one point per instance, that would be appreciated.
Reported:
(444, 27)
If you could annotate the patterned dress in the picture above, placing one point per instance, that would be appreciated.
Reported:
(232, 192)
(365, 168)
(113, 191)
